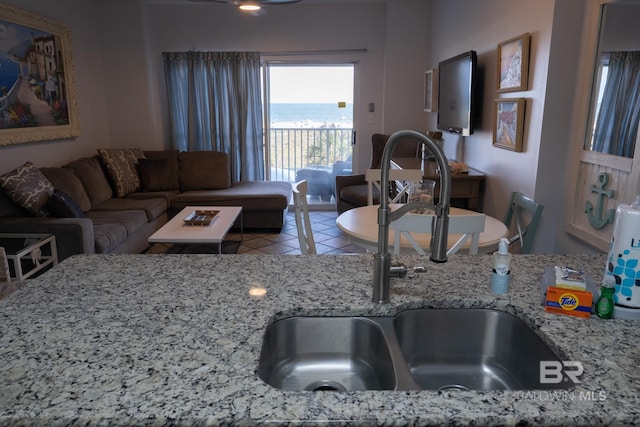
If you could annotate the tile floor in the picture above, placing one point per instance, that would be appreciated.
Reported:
(328, 238)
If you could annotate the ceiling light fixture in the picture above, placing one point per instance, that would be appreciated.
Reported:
(250, 4)
(249, 7)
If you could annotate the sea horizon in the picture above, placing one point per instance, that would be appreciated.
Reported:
(311, 115)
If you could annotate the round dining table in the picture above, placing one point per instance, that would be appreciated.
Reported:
(360, 227)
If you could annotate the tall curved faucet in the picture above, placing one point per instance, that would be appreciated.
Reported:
(382, 258)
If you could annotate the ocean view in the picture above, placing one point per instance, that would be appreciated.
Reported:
(295, 115)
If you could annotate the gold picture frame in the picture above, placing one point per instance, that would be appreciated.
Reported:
(513, 64)
(431, 91)
(38, 95)
(508, 123)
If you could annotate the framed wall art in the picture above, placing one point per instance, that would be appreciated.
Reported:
(513, 64)
(431, 91)
(38, 99)
(508, 123)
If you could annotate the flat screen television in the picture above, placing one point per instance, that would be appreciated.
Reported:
(457, 93)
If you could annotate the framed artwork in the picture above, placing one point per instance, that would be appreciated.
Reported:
(38, 99)
(513, 64)
(508, 123)
(431, 91)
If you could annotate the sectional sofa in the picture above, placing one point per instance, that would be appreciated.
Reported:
(113, 201)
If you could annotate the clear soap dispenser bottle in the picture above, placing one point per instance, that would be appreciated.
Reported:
(501, 268)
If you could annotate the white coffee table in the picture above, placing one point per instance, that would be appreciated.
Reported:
(176, 231)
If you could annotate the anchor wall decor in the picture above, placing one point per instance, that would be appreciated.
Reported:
(599, 219)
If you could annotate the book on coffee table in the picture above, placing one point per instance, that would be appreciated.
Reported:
(200, 217)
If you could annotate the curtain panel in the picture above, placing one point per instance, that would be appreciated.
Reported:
(215, 104)
(617, 121)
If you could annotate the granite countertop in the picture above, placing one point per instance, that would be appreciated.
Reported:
(159, 339)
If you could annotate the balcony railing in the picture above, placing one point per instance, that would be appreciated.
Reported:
(292, 149)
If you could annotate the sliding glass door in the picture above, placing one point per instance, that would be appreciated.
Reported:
(308, 123)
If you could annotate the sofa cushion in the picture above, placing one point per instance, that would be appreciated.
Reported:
(121, 166)
(172, 174)
(66, 181)
(89, 171)
(154, 175)
(108, 236)
(61, 205)
(358, 195)
(251, 195)
(153, 208)
(132, 220)
(204, 170)
(166, 195)
(28, 187)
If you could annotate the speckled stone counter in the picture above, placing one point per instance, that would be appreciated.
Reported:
(175, 339)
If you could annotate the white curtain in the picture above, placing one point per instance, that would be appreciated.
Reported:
(214, 104)
(617, 121)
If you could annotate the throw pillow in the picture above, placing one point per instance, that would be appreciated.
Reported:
(62, 206)
(121, 166)
(204, 170)
(154, 174)
(28, 187)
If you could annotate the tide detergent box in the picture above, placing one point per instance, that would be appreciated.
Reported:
(568, 301)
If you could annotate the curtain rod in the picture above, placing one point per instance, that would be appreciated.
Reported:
(314, 52)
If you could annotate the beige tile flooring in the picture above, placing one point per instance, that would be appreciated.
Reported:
(328, 238)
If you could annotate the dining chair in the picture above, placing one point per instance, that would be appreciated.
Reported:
(303, 223)
(4, 267)
(525, 213)
(402, 178)
(469, 226)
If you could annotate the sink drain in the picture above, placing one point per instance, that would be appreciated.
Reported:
(325, 385)
(453, 387)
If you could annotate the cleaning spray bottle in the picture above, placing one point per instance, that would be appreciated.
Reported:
(501, 268)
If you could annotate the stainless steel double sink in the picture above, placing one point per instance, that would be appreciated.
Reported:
(423, 349)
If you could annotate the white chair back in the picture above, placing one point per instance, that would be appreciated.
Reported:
(403, 176)
(303, 223)
(5, 276)
(469, 226)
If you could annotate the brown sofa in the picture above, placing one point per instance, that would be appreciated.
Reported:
(112, 202)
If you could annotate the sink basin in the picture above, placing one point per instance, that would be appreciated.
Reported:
(326, 353)
(424, 349)
(471, 349)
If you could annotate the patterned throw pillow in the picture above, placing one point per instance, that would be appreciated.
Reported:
(121, 166)
(28, 187)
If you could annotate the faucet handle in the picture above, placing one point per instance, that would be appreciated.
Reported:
(400, 270)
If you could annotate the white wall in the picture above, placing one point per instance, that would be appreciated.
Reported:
(468, 24)
(120, 78)
(541, 169)
(166, 26)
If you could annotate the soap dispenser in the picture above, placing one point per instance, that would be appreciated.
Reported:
(501, 268)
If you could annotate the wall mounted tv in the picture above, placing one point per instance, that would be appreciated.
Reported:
(457, 93)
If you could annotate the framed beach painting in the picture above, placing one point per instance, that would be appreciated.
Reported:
(513, 64)
(508, 123)
(38, 99)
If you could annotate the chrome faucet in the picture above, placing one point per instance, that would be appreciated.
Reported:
(382, 257)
